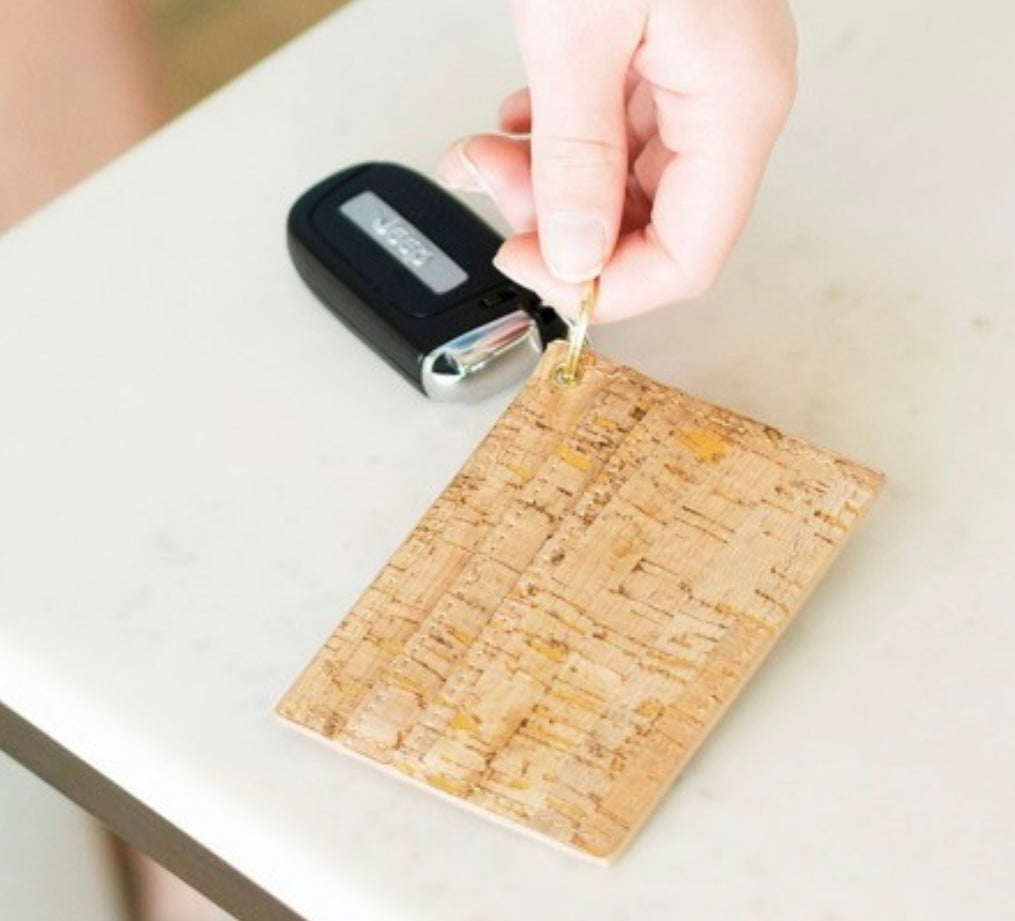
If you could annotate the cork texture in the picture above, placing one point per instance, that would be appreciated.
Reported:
(574, 612)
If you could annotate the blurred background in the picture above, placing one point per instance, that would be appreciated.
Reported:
(202, 44)
(55, 861)
(81, 82)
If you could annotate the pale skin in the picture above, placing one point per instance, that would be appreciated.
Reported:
(636, 150)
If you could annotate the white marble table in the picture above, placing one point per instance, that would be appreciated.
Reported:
(200, 470)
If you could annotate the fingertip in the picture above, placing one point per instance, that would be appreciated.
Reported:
(521, 260)
(513, 260)
(515, 113)
(502, 167)
(574, 245)
(457, 170)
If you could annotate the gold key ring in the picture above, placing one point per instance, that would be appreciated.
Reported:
(568, 372)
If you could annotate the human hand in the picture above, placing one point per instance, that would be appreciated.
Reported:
(638, 146)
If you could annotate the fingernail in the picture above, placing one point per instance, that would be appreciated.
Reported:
(574, 245)
(464, 175)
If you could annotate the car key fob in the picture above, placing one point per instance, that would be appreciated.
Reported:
(408, 268)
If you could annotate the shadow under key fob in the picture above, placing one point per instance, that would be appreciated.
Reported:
(407, 267)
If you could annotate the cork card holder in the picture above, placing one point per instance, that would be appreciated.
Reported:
(573, 614)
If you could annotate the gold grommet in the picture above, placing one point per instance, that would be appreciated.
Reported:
(568, 373)
(563, 378)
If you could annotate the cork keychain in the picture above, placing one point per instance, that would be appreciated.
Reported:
(573, 614)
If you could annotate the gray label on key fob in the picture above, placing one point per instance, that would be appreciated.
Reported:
(416, 252)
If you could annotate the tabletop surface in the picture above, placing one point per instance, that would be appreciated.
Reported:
(200, 470)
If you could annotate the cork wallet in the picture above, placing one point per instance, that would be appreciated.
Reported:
(575, 611)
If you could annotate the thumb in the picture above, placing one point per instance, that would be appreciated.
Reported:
(577, 54)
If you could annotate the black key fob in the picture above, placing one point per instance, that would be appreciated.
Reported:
(408, 268)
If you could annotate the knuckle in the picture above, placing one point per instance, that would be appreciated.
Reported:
(699, 281)
(580, 154)
(579, 164)
(778, 85)
(775, 80)
(762, 111)
(690, 280)
(684, 278)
